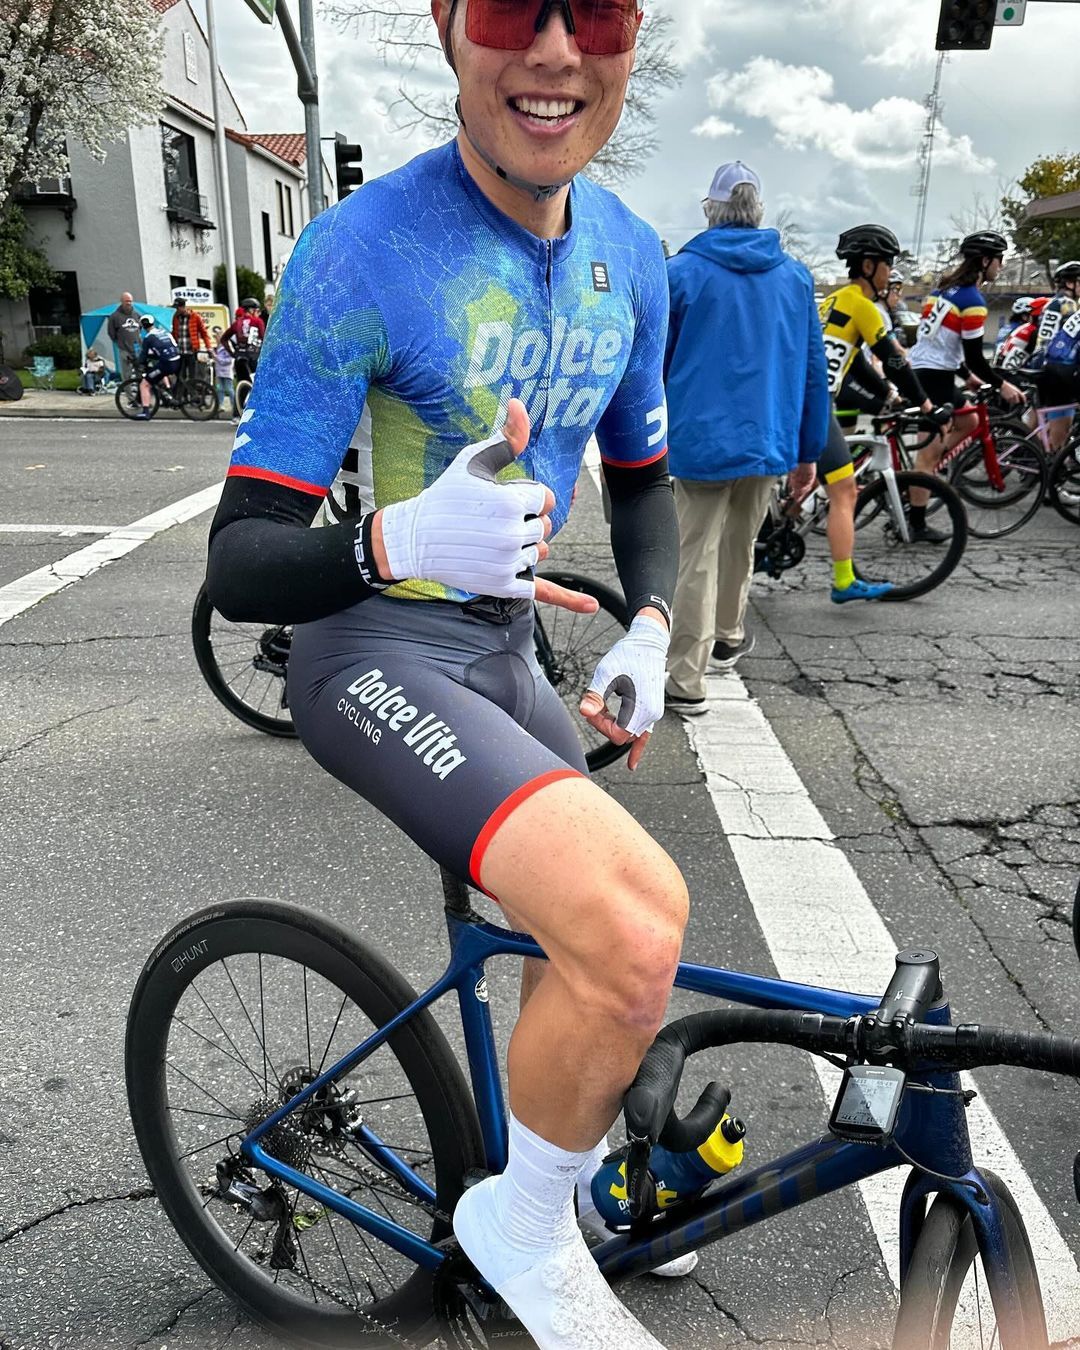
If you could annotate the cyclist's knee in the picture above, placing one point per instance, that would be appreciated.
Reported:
(625, 966)
(843, 489)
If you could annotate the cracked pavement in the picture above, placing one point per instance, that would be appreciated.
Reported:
(937, 738)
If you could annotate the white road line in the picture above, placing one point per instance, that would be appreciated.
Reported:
(63, 531)
(19, 595)
(821, 928)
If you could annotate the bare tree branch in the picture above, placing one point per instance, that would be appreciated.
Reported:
(403, 34)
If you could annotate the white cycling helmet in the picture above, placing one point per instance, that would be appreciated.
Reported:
(1022, 307)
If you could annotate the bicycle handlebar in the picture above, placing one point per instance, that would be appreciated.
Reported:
(649, 1104)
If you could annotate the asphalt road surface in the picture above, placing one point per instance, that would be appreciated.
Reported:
(913, 780)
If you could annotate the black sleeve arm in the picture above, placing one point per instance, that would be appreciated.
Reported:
(266, 565)
(897, 370)
(978, 365)
(644, 534)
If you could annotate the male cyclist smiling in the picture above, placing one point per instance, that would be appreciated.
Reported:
(485, 286)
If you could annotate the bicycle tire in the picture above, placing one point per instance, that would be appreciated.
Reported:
(129, 400)
(198, 400)
(228, 676)
(568, 647)
(884, 555)
(241, 394)
(992, 514)
(945, 1252)
(1063, 481)
(270, 937)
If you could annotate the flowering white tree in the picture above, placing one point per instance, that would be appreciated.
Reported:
(72, 70)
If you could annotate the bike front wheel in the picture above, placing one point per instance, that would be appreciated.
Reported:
(1064, 481)
(245, 665)
(945, 1300)
(882, 522)
(240, 1008)
(568, 647)
(198, 401)
(129, 400)
(994, 512)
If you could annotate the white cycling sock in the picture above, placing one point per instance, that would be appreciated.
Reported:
(519, 1231)
(593, 1164)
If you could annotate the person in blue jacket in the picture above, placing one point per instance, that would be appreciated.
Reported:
(748, 401)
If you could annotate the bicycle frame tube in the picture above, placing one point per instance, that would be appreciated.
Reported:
(931, 1127)
(985, 436)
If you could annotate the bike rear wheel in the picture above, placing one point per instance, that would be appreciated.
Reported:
(945, 1302)
(245, 665)
(568, 647)
(1063, 481)
(235, 1012)
(129, 400)
(884, 554)
(992, 512)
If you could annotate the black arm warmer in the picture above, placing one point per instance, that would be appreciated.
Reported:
(978, 365)
(644, 534)
(896, 368)
(267, 565)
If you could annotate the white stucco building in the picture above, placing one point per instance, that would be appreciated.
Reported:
(148, 219)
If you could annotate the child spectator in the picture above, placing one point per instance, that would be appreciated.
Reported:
(223, 372)
(92, 371)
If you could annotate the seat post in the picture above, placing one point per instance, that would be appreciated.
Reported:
(455, 893)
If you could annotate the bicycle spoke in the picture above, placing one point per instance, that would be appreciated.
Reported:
(333, 1033)
(195, 1032)
(251, 1024)
(232, 1115)
(199, 995)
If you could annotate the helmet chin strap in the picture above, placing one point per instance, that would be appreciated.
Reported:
(538, 192)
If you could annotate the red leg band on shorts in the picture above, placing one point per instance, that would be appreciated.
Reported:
(502, 812)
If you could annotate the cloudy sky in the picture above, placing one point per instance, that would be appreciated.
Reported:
(824, 98)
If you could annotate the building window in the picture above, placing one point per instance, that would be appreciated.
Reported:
(205, 283)
(175, 282)
(284, 209)
(55, 311)
(182, 200)
(268, 255)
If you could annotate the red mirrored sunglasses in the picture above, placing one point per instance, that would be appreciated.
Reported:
(599, 27)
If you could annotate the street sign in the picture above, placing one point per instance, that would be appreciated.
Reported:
(262, 9)
(1010, 13)
(194, 295)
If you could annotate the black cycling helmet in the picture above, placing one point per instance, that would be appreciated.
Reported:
(984, 244)
(868, 241)
(249, 303)
(1067, 271)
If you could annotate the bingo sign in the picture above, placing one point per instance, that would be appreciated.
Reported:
(262, 9)
(194, 295)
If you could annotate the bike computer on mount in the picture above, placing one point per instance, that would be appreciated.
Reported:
(867, 1104)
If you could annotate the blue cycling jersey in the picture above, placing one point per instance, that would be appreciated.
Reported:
(159, 347)
(417, 306)
(1064, 348)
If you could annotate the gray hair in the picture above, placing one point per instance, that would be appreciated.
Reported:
(745, 208)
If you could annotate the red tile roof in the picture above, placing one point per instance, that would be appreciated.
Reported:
(291, 146)
(163, 6)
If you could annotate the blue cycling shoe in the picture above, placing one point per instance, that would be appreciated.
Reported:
(861, 590)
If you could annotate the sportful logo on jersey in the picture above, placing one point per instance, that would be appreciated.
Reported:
(600, 279)
(502, 357)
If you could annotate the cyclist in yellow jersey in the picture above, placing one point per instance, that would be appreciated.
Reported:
(850, 321)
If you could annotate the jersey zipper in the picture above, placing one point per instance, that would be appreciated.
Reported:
(549, 250)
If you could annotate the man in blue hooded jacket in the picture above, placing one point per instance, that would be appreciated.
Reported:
(748, 401)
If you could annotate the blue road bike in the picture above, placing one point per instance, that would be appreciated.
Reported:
(308, 1129)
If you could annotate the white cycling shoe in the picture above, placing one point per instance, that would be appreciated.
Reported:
(562, 1301)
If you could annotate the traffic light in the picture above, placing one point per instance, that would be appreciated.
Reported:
(966, 25)
(347, 168)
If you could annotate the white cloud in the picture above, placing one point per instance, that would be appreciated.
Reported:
(799, 103)
(715, 128)
(698, 21)
(898, 36)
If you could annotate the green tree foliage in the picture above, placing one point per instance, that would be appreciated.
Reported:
(1048, 176)
(21, 265)
(247, 283)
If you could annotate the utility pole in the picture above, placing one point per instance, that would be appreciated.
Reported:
(224, 200)
(921, 190)
(302, 51)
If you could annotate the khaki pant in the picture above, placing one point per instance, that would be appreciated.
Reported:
(718, 523)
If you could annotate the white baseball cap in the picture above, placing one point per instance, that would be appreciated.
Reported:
(728, 177)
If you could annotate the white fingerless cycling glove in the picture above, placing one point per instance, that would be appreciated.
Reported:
(634, 672)
(467, 530)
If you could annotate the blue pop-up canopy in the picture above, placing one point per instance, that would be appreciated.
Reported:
(94, 328)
